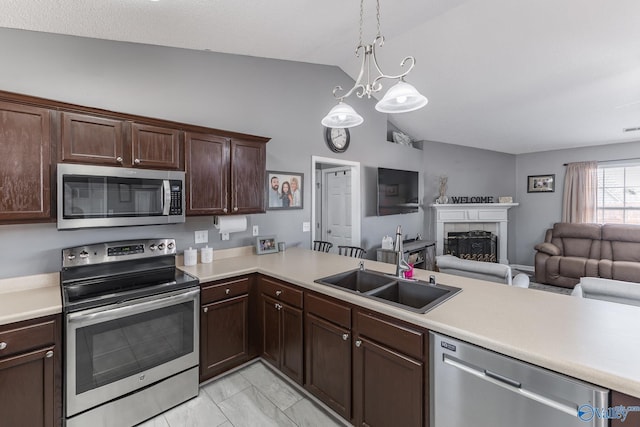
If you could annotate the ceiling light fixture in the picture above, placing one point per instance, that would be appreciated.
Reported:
(400, 98)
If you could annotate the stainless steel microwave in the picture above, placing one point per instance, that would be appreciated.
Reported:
(103, 196)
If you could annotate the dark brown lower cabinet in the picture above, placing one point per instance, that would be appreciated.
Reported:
(633, 418)
(328, 365)
(388, 373)
(282, 326)
(30, 373)
(224, 326)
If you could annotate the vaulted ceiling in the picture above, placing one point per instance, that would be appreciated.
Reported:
(514, 76)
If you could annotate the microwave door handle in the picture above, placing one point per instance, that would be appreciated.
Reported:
(166, 205)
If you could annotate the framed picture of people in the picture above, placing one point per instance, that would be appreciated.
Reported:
(284, 190)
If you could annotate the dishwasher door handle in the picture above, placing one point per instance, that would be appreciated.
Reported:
(508, 384)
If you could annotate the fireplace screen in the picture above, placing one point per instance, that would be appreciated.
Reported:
(475, 245)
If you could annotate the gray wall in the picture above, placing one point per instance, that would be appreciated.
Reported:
(279, 99)
(539, 211)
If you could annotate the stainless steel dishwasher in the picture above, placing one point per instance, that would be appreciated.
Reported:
(472, 386)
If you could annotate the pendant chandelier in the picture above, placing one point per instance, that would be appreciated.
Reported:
(400, 98)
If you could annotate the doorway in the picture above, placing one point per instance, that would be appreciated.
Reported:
(335, 195)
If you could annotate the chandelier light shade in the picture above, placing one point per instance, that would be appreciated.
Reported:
(401, 98)
(342, 116)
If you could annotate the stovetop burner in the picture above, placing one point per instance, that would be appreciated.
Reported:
(106, 273)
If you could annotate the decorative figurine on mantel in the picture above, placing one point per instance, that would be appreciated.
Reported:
(443, 199)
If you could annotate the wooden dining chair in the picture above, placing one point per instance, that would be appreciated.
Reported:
(352, 251)
(321, 246)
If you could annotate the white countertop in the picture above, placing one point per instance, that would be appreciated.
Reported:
(595, 341)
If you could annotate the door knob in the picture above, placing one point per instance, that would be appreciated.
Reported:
(136, 161)
(119, 159)
(358, 343)
(345, 337)
(3, 345)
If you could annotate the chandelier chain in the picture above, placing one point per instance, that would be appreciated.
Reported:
(361, 20)
(378, 16)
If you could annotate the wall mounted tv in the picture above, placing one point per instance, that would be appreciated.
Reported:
(397, 191)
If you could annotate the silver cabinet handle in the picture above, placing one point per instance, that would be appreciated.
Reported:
(345, 337)
(3, 345)
(136, 161)
(235, 209)
(358, 343)
(206, 309)
(278, 293)
(49, 354)
(278, 306)
(119, 159)
(224, 210)
(228, 291)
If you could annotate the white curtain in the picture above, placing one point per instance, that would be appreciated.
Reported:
(580, 190)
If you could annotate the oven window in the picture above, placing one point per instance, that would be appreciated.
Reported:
(116, 349)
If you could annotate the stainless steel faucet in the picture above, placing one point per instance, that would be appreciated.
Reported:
(401, 264)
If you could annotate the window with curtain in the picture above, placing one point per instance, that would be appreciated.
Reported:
(618, 199)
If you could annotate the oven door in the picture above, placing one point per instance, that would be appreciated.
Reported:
(117, 349)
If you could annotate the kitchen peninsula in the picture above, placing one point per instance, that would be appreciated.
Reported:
(586, 339)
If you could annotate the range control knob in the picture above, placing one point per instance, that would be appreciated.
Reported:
(152, 246)
(170, 245)
(84, 254)
(71, 257)
(161, 246)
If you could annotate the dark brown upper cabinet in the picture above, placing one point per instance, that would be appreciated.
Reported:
(155, 147)
(114, 142)
(224, 175)
(25, 162)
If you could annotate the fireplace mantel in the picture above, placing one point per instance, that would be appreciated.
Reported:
(474, 213)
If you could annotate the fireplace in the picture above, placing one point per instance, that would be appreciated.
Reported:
(476, 245)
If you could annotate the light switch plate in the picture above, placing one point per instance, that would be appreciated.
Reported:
(256, 230)
(202, 236)
(306, 227)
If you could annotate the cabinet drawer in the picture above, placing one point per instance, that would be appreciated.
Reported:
(278, 290)
(400, 338)
(220, 291)
(328, 310)
(27, 338)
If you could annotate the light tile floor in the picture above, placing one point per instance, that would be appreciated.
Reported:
(252, 396)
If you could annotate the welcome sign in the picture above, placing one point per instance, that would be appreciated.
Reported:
(471, 199)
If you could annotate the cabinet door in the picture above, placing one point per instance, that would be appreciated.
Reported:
(25, 160)
(155, 147)
(271, 330)
(224, 335)
(387, 386)
(248, 169)
(292, 344)
(207, 167)
(633, 418)
(89, 139)
(328, 364)
(28, 386)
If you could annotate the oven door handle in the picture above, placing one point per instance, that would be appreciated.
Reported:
(131, 308)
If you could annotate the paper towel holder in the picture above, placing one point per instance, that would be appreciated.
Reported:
(230, 224)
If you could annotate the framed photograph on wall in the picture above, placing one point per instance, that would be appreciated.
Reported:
(541, 183)
(266, 245)
(284, 190)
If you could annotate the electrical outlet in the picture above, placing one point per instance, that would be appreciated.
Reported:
(306, 227)
(255, 230)
(202, 236)
(224, 236)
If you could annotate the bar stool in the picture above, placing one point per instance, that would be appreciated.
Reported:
(352, 251)
(322, 246)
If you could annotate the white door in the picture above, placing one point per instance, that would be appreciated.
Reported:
(336, 208)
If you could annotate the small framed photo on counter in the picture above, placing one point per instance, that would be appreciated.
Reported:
(266, 245)
(541, 183)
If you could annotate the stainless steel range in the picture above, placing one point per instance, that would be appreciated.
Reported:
(131, 332)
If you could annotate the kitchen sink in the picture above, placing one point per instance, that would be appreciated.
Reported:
(359, 281)
(409, 294)
(415, 296)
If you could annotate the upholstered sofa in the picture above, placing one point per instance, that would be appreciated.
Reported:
(571, 251)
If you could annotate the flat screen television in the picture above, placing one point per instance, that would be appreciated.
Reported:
(397, 191)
